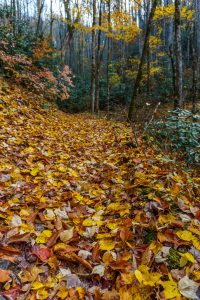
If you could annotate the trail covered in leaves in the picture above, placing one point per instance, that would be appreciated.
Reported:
(83, 215)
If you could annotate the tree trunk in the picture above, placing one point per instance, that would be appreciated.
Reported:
(197, 15)
(147, 11)
(93, 67)
(14, 14)
(70, 28)
(142, 61)
(40, 6)
(148, 71)
(51, 22)
(178, 50)
(108, 62)
(194, 68)
(173, 68)
(98, 59)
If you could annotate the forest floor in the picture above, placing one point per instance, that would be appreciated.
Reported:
(83, 215)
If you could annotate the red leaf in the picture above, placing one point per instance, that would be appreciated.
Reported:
(42, 253)
(197, 216)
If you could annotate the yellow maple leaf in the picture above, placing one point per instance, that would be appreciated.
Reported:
(143, 276)
(42, 294)
(44, 236)
(105, 235)
(34, 171)
(197, 275)
(106, 245)
(185, 235)
(170, 289)
(73, 173)
(89, 222)
(63, 293)
(37, 285)
(187, 256)
(196, 243)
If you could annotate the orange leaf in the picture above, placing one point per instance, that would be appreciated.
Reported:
(125, 234)
(4, 275)
(43, 253)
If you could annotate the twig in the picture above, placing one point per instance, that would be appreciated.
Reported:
(152, 117)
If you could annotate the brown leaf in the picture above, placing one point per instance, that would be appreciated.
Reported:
(19, 238)
(125, 234)
(31, 219)
(111, 295)
(146, 257)
(53, 239)
(95, 253)
(58, 224)
(8, 250)
(84, 262)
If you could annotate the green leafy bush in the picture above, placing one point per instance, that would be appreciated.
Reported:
(180, 132)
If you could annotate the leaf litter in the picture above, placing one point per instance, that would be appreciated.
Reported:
(85, 216)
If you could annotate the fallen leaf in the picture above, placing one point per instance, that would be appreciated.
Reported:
(66, 235)
(99, 270)
(106, 245)
(188, 288)
(5, 275)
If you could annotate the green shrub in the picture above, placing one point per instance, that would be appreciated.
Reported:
(180, 131)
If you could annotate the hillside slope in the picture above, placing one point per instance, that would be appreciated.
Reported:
(83, 215)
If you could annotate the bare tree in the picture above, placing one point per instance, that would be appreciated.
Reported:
(93, 67)
(40, 7)
(108, 59)
(178, 53)
(142, 60)
(98, 62)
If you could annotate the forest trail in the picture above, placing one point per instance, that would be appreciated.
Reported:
(85, 216)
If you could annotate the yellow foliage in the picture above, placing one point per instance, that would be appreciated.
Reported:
(169, 10)
(121, 27)
(42, 49)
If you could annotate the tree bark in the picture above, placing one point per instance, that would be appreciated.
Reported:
(178, 51)
(40, 6)
(142, 61)
(93, 67)
(51, 22)
(98, 59)
(194, 46)
(108, 62)
(173, 67)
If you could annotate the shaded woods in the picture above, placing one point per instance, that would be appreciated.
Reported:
(117, 51)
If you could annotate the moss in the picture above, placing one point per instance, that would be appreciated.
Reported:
(149, 235)
(146, 190)
(173, 259)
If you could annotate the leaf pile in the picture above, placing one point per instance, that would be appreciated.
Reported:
(83, 215)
